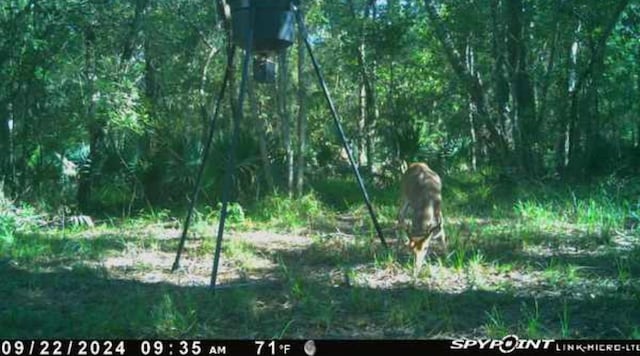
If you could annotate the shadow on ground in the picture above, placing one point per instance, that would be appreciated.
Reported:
(86, 303)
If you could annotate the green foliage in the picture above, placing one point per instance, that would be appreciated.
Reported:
(565, 321)
(285, 212)
(7, 229)
(496, 327)
(533, 323)
(169, 320)
(133, 82)
(337, 193)
(235, 212)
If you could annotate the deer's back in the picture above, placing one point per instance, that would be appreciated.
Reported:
(421, 185)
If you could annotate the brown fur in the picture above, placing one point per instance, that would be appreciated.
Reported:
(422, 194)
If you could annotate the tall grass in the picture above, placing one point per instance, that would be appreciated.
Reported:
(285, 212)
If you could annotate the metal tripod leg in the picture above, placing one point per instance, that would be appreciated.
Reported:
(205, 157)
(228, 179)
(336, 120)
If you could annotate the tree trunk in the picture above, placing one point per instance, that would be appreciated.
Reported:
(470, 63)
(7, 150)
(488, 133)
(95, 129)
(134, 29)
(524, 110)
(5, 147)
(302, 117)
(592, 122)
(374, 112)
(501, 85)
(362, 126)
(571, 142)
(224, 13)
(368, 109)
(285, 118)
(583, 132)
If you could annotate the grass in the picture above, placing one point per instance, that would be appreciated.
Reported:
(565, 330)
(548, 262)
(496, 327)
(533, 324)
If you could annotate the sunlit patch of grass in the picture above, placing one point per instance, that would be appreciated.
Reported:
(535, 212)
(241, 252)
(598, 213)
(386, 259)
(504, 267)
(459, 257)
(287, 213)
(558, 273)
(153, 216)
(141, 266)
(475, 268)
(32, 247)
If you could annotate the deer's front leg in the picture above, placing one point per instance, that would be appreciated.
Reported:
(402, 214)
(440, 224)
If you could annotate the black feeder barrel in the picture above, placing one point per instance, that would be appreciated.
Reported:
(264, 70)
(273, 28)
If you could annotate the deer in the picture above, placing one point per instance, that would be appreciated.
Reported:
(421, 192)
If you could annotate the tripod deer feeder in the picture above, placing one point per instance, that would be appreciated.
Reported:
(260, 27)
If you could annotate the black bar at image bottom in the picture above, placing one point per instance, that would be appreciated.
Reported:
(510, 344)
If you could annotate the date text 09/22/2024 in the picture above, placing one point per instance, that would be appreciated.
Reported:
(114, 347)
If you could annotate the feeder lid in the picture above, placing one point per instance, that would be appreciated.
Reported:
(273, 26)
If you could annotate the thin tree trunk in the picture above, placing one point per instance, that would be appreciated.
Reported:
(565, 137)
(362, 126)
(571, 141)
(637, 140)
(134, 29)
(470, 63)
(524, 112)
(374, 111)
(95, 130)
(368, 109)
(302, 117)
(224, 13)
(285, 117)
(501, 86)
(5, 144)
(7, 149)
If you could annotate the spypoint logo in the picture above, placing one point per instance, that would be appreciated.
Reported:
(507, 345)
